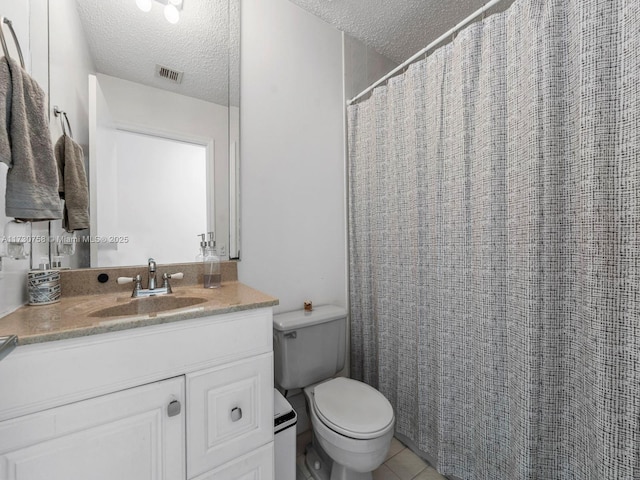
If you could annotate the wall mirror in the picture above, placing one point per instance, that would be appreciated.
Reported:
(151, 91)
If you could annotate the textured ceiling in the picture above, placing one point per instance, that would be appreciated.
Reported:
(128, 43)
(394, 28)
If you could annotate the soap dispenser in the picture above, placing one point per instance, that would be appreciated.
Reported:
(212, 275)
(203, 247)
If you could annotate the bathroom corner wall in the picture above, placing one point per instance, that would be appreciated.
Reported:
(70, 63)
(293, 240)
(363, 66)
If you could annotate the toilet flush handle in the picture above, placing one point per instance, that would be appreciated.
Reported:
(292, 335)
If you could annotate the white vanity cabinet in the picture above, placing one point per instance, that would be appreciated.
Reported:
(257, 465)
(191, 399)
(125, 435)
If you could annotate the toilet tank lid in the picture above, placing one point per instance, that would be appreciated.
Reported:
(284, 322)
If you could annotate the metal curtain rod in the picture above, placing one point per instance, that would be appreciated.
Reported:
(437, 41)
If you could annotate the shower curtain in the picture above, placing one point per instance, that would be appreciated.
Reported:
(494, 245)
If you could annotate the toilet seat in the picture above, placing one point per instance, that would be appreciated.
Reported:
(352, 408)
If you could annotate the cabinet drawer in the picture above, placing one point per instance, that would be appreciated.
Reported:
(230, 412)
(257, 465)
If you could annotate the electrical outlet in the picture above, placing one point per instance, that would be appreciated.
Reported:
(223, 250)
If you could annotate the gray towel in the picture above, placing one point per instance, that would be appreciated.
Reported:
(25, 145)
(72, 184)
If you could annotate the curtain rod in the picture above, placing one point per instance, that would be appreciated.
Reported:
(437, 41)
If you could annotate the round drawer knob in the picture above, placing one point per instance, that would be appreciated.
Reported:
(236, 414)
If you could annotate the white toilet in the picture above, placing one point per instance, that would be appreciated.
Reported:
(352, 422)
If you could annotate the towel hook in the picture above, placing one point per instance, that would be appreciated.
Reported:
(15, 39)
(59, 113)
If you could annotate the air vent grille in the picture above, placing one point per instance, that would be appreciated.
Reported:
(169, 74)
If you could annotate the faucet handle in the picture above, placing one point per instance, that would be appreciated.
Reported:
(137, 287)
(125, 280)
(167, 276)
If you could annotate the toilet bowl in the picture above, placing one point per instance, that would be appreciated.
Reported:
(352, 427)
(352, 422)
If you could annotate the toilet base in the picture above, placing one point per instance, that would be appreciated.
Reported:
(322, 467)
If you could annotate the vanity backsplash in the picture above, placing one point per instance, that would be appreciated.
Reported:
(93, 281)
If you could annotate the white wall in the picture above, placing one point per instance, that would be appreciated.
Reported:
(293, 242)
(137, 107)
(30, 23)
(70, 64)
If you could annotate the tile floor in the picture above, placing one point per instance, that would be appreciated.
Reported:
(401, 463)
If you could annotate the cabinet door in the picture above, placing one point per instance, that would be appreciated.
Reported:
(230, 412)
(128, 435)
(257, 465)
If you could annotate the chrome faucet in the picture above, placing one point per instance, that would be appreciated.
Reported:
(152, 274)
(153, 288)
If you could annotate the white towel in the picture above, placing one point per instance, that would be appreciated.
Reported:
(25, 145)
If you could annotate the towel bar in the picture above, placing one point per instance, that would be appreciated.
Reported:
(61, 113)
(15, 39)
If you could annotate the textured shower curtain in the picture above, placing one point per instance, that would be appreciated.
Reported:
(494, 245)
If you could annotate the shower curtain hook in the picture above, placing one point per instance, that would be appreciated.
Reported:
(426, 55)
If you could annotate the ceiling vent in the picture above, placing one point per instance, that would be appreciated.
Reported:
(169, 74)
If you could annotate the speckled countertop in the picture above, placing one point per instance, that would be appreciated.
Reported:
(80, 315)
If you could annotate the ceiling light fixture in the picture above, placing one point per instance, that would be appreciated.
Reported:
(171, 13)
(171, 8)
(144, 5)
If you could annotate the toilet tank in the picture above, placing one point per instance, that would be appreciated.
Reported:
(308, 346)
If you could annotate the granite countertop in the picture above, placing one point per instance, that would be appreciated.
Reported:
(75, 316)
